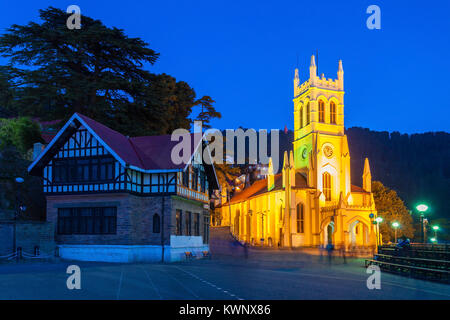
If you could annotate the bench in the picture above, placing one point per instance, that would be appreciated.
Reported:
(189, 255)
(412, 271)
(416, 253)
(416, 262)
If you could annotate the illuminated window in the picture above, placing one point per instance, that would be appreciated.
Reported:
(307, 114)
(300, 218)
(333, 112)
(326, 181)
(301, 117)
(321, 111)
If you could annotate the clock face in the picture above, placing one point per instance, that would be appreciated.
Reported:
(328, 151)
(304, 153)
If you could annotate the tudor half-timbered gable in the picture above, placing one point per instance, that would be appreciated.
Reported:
(106, 190)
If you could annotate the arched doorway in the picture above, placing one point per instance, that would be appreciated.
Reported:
(358, 234)
(328, 233)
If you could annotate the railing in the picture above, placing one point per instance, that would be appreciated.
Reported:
(192, 194)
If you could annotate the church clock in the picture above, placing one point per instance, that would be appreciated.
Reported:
(328, 151)
(304, 153)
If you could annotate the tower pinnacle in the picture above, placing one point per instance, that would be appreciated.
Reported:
(313, 68)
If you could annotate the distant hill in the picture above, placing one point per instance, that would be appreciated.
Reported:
(417, 166)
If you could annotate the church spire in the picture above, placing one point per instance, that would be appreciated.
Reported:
(367, 177)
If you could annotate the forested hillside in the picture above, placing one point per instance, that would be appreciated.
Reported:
(417, 166)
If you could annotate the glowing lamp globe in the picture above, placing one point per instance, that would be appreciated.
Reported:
(435, 228)
(422, 207)
(379, 219)
(395, 224)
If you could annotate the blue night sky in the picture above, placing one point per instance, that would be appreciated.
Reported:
(243, 54)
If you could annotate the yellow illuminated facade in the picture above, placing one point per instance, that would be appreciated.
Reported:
(311, 202)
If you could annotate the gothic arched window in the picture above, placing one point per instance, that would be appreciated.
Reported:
(333, 112)
(326, 182)
(156, 223)
(300, 217)
(307, 114)
(301, 117)
(321, 111)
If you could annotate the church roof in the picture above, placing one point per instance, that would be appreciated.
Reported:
(358, 189)
(300, 181)
(257, 188)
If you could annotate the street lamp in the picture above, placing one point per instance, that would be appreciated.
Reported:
(395, 225)
(378, 220)
(433, 239)
(435, 228)
(18, 180)
(422, 208)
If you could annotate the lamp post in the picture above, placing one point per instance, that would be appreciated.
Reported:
(18, 181)
(395, 225)
(435, 228)
(422, 208)
(378, 221)
(262, 225)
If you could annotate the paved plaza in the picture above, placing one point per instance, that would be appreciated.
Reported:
(264, 275)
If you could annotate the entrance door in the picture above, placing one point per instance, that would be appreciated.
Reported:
(330, 234)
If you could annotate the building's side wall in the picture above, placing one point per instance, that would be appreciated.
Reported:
(134, 218)
(134, 239)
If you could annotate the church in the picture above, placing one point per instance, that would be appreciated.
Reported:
(312, 202)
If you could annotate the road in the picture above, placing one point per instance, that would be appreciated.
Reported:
(264, 275)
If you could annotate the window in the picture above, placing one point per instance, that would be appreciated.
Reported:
(206, 229)
(101, 220)
(156, 223)
(321, 111)
(178, 218)
(301, 117)
(83, 170)
(188, 223)
(307, 114)
(202, 181)
(195, 172)
(186, 177)
(300, 218)
(333, 112)
(196, 224)
(326, 181)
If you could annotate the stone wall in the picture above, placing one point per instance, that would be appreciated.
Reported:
(29, 234)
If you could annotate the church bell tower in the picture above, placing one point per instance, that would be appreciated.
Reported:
(320, 144)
